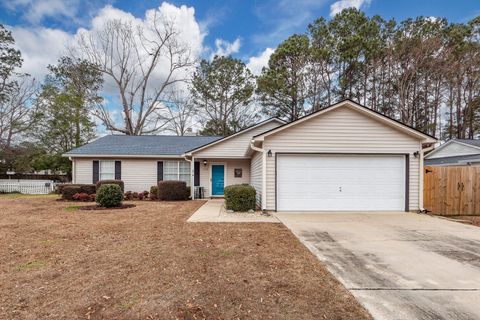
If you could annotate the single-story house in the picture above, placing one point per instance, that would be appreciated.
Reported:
(345, 157)
(455, 152)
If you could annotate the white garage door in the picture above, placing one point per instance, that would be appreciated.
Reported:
(340, 182)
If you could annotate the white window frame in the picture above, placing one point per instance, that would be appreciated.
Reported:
(109, 173)
(178, 174)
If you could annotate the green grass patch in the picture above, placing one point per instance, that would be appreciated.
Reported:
(127, 304)
(72, 208)
(30, 265)
(226, 253)
(48, 242)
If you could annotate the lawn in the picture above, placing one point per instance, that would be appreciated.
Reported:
(147, 263)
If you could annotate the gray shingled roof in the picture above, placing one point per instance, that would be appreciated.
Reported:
(453, 160)
(141, 145)
(472, 142)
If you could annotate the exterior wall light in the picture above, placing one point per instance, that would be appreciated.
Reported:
(204, 163)
(269, 153)
(416, 154)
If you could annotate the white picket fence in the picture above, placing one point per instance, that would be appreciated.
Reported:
(27, 186)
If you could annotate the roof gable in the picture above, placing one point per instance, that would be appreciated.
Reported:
(237, 144)
(454, 147)
(362, 109)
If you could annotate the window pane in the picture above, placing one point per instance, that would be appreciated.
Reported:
(184, 167)
(170, 170)
(106, 170)
(107, 176)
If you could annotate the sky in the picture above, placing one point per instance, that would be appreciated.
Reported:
(246, 29)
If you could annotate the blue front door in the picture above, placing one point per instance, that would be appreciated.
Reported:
(218, 179)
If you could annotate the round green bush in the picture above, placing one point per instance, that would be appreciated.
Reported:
(240, 197)
(109, 195)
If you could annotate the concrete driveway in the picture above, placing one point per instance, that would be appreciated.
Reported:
(398, 265)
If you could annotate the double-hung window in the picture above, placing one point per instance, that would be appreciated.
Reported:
(176, 170)
(106, 170)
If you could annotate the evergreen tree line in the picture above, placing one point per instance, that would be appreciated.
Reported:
(424, 72)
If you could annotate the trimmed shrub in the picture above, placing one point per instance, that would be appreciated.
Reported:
(173, 190)
(117, 182)
(153, 193)
(135, 195)
(240, 197)
(145, 194)
(92, 197)
(109, 195)
(81, 196)
(69, 190)
(140, 196)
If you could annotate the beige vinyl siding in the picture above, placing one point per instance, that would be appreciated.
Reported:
(343, 130)
(137, 174)
(454, 149)
(230, 166)
(83, 171)
(256, 175)
(237, 146)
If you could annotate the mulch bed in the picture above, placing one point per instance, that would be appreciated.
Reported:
(148, 263)
(95, 207)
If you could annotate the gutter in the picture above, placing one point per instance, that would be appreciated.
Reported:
(264, 173)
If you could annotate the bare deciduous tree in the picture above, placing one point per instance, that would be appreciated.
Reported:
(16, 114)
(179, 112)
(143, 63)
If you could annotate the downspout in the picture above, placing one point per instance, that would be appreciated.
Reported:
(420, 196)
(192, 176)
(264, 172)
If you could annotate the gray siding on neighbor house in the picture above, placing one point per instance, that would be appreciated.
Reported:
(256, 175)
(343, 130)
(453, 149)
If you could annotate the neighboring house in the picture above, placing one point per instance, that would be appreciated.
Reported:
(455, 152)
(342, 158)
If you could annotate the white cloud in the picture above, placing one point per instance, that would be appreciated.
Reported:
(338, 6)
(225, 48)
(39, 47)
(34, 11)
(256, 63)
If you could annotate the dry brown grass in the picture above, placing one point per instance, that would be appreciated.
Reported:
(148, 263)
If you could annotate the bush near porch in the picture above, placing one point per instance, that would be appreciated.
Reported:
(173, 190)
(67, 191)
(240, 197)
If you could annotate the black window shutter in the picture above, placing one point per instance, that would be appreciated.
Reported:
(118, 170)
(160, 171)
(95, 171)
(196, 174)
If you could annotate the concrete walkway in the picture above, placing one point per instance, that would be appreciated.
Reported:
(214, 211)
(398, 265)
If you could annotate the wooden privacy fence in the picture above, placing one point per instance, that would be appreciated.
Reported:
(27, 186)
(452, 190)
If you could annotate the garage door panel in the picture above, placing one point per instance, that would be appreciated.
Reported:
(340, 182)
